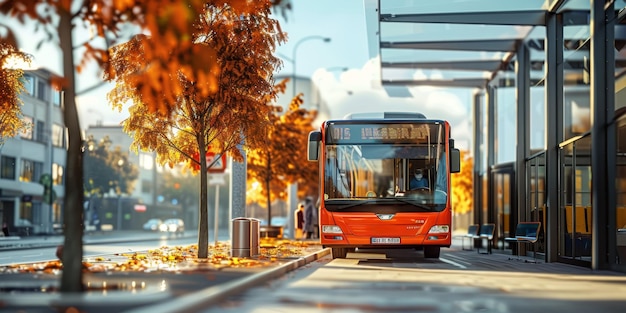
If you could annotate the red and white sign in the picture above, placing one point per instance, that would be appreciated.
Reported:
(218, 167)
(220, 164)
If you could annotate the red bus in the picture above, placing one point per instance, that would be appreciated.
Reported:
(366, 165)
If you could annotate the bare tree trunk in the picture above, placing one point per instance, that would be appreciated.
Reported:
(203, 222)
(72, 255)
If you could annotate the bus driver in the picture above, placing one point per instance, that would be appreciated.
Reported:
(418, 181)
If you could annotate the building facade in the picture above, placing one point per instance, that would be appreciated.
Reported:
(32, 163)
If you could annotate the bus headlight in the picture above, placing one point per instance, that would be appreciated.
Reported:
(439, 229)
(331, 229)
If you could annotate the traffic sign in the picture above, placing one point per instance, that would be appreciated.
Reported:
(220, 162)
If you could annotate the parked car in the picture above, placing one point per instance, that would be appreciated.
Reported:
(152, 224)
(172, 225)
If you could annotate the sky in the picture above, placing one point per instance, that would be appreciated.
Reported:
(342, 68)
(358, 89)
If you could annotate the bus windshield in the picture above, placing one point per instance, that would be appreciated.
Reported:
(407, 170)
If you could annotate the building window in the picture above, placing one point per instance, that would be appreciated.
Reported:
(26, 215)
(8, 167)
(27, 132)
(146, 186)
(40, 131)
(146, 161)
(31, 171)
(57, 174)
(57, 135)
(56, 97)
(43, 90)
(29, 84)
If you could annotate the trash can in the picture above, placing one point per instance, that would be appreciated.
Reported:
(241, 239)
(255, 230)
(245, 237)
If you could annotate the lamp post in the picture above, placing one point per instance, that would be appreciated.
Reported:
(294, 56)
(120, 163)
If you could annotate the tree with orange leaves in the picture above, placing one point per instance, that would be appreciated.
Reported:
(11, 85)
(193, 113)
(463, 185)
(282, 160)
(172, 46)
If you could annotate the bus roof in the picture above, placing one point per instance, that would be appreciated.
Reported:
(384, 115)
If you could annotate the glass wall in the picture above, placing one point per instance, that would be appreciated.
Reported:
(503, 203)
(620, 115)
(620, 183)
(575, 206)
(506, 131)
(576, 112)
(537, 195)
(537, 130)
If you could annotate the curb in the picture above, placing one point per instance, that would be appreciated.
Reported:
(202, 299)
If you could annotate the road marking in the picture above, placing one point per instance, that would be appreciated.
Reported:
(459, 259)
(453, 263)
(30, 255)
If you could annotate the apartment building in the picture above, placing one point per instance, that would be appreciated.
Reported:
(32, 159)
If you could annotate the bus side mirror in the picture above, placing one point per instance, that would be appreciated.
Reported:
(314, 144)
(455, 160)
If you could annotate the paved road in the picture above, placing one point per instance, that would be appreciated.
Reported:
(369, 281)
(462, 281)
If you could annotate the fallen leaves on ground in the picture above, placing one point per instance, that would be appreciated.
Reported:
(177, 258)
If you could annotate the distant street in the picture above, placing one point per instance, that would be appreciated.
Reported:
(36, 249)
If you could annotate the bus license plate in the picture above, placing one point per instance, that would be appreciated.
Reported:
(379, 240)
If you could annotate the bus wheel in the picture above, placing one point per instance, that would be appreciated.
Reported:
(340, 252)
(432, 252)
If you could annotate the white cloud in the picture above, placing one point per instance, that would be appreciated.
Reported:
(360, 91)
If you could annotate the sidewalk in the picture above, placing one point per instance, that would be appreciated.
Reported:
(193, 284)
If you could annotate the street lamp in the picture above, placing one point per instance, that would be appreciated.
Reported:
(120, 163)
(294, 57)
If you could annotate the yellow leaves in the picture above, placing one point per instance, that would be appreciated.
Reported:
(123, 5)
(462, 185)
(283, 161)
(177, 258)
(11, 85)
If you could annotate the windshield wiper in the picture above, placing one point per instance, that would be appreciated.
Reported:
(357, 203)
(419, 205)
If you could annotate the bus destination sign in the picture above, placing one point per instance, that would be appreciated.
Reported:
(364, 133)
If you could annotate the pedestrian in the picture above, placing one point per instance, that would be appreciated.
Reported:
(309, 218)
(96, 221)
(299, 221)
(5, 229)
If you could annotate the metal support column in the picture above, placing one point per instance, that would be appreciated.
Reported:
(554, 130)
(522, 89)
(491, 143)
(478, 153)
(602, 130)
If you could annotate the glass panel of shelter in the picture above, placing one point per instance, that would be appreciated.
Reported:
(576, 212)
(620, 117)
